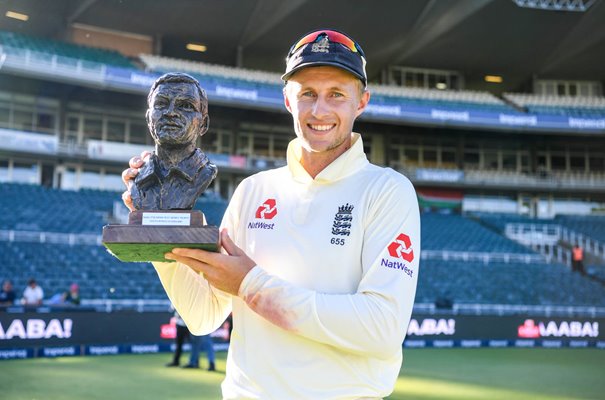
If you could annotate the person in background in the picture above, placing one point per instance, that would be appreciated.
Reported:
(7, 295)
(182, 335)
(577, 264)
(198, 343)
(33, 294)
(73, 297)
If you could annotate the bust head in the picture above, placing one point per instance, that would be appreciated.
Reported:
(177, 111)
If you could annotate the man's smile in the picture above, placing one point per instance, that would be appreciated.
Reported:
(321, 127)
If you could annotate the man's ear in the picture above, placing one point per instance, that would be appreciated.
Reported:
(363, 102)
(204, 125)
(286, 101)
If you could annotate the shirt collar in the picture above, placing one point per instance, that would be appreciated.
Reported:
(346, 164)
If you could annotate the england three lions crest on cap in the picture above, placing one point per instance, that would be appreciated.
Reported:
(321, 46)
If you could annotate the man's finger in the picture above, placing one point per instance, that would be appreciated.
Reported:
(196, 254)
(145, 155)
(228, 244)
(127, 199)
(136, 162)
(192, 263)
(128, 176)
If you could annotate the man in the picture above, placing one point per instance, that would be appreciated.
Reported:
(7, 295)
(33, 294)
(321, 256)
(577, 264)
(178, 173)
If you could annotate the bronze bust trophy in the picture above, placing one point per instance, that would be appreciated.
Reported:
(172, 178)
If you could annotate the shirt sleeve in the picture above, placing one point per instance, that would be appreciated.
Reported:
(202, 307)
(374, 319)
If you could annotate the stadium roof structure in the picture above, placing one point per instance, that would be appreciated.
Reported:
(474, 37)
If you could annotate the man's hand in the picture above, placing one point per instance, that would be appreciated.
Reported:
(224, 271)
(129, 174)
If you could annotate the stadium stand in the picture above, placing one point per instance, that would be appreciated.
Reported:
(57, 264)
(592, 226)
(62, 244)
(100, 276)
(160, 63)
(498, 283)
(49, 212)
(560, 105)
(456, 233)
(448, 99)
(64, 49)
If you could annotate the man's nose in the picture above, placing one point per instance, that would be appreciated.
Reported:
(320, 107)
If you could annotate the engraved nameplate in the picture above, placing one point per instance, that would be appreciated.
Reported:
(173, 219)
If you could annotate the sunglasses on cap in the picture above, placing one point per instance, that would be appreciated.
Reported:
(333, 36)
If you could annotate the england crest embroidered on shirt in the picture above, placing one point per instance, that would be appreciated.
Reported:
(342, 220)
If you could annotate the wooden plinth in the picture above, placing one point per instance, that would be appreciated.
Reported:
(135, 242)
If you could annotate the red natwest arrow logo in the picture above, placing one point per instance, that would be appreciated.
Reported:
(267, 210)
(402, 248)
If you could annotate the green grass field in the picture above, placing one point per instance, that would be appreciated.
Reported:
(426, 374)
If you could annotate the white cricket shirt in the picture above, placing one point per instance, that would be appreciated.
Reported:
(324, 313)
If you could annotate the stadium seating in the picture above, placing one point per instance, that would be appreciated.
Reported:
(456, 233)
(443, 99)
(56, 265)
(39, 209)
(591, 225)
(160, 63)
(496, 283)
(560, 105)
(63, 49)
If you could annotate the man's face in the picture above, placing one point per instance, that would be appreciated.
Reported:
(324, 103)
(174, 116)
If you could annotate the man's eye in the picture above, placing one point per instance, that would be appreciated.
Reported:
(308, 94)
(187, 106)
(337, 94)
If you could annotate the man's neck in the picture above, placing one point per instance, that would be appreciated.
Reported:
(173, 156)
(314, 163)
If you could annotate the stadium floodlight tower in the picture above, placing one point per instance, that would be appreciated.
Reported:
(556, 5)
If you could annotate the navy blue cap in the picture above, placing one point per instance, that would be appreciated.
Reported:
(321, 50)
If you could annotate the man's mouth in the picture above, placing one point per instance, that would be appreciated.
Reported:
(321, 127)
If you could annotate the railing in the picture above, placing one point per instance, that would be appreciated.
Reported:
(545, 239)
(49, 237)
(483, 257)
(117, 305)
(544, 179)
(51, 64)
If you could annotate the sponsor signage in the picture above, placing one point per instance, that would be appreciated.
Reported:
(503, 331)
(87, 332)
(29, 329)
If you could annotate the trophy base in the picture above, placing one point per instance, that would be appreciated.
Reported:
(137, 242)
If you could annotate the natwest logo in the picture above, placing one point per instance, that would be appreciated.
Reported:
(267, 210)
(530, 329)
(402, 248)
